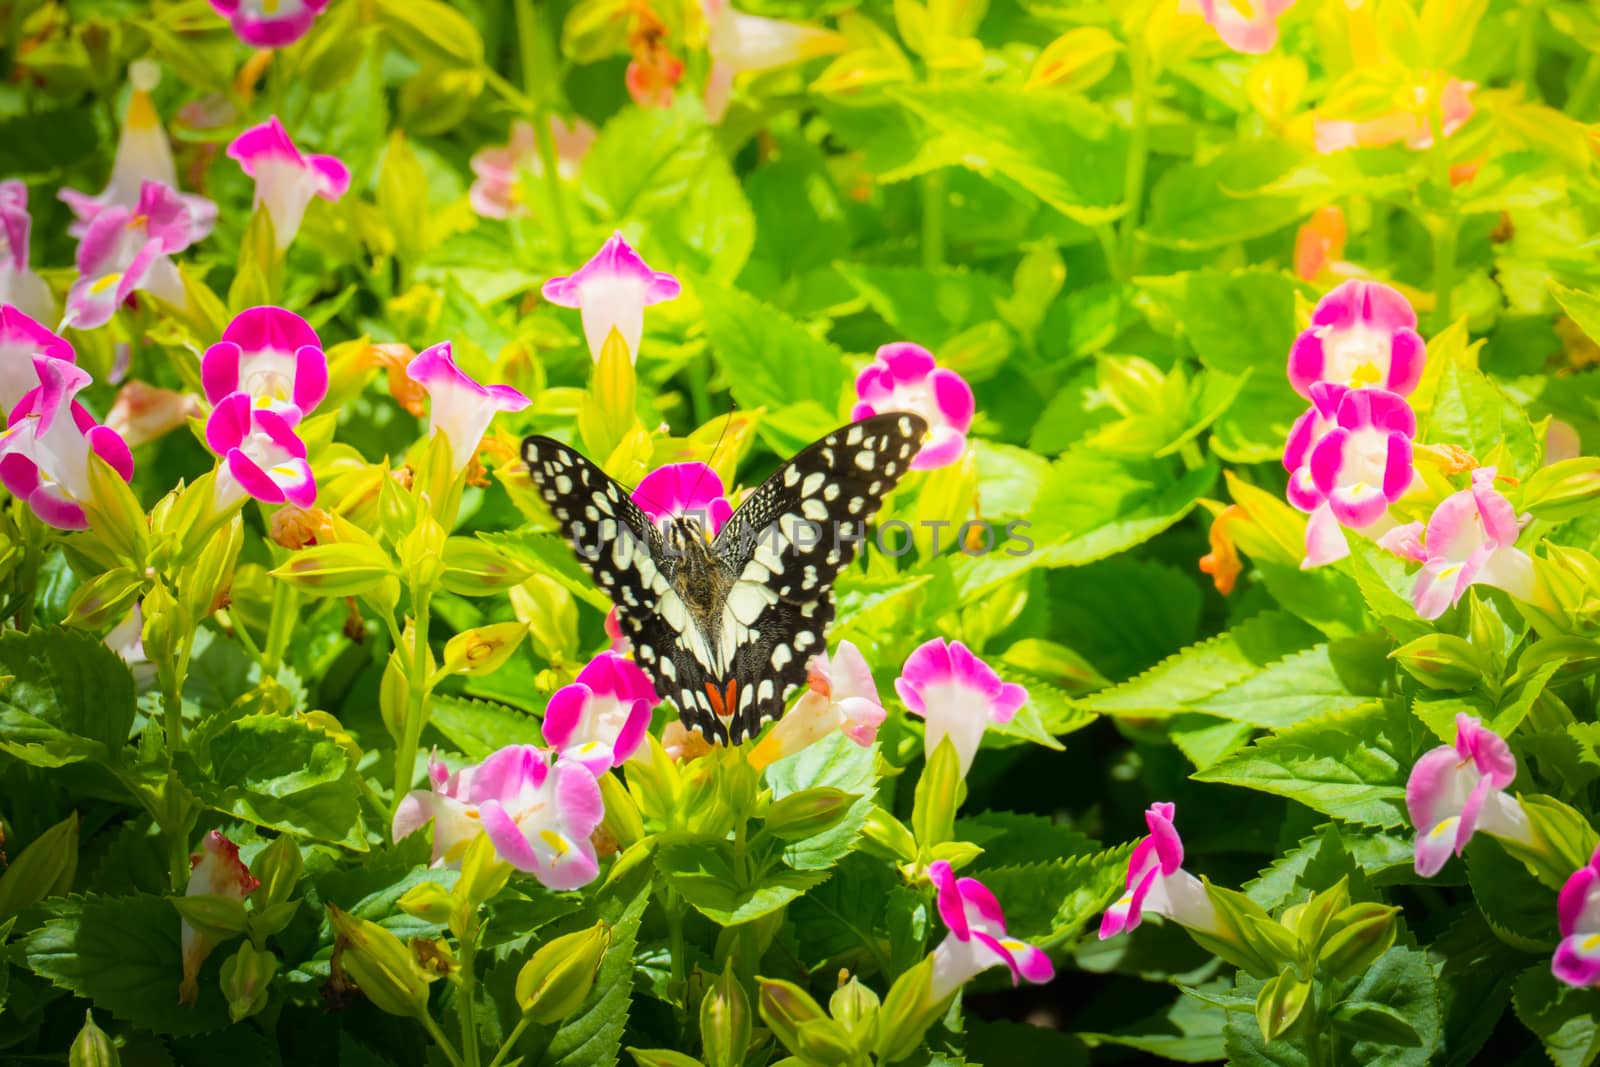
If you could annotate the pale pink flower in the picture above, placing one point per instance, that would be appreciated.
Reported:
(125, 250)
(957, 694)
(20, 287)
(1410, 125)
(44, 453)
(738, 42)
(459, 408)
(216, 870)
(611, 292)
(286, 179)
(1471, 539)
(840, 695)
(500, 169)
(1456, 790)
(22, 340)
(143, 412)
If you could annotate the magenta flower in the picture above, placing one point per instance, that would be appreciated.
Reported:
(20, 288)
(22, 340)
(977, 938)
(601, 718)
(619, 640)
(1249, 26)
(1157, 882)
(1454, 791)
(1471, 539)
(904, 377)
(1307, 430)
(1577, 958)
(1360, 466)
(127, 250)
(269, 23)
(143, 155)
(738, 42)
(44, 453)
(460, 408)
(286, 178)
(680, 489)
(958, 694)
(1361, 334)
(262, 456)
(841, 695)
(215, 871)
(274, 356)
(538, 817)
(611, 291)
(500, 170)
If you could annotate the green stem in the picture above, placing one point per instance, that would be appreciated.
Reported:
(439, 1039)
(1446, 228)
(469, 1026)
(677, 985)
(177, 851)
(1582, 98)
(528, 55)
(934, 195)
(405, 756)
(280, 628)
(1528, 50)
(1378, 233)
(511, 1042)
(1138, 155)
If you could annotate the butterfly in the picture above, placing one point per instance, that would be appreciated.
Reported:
(727, 624)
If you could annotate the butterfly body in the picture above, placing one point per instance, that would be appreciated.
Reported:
(724, 625)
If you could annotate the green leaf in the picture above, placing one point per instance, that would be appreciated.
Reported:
(706, 872)
(45, 867)
(593, 1034)
(48, 141)
(1189, 1031)
(478, 728)
(1518, 909)
(844, 921)
(124, 954)
(64, 697)
(930, 305)
(1401, 981)
(1327, 678)
(770, 359)
(1581, 307)
(1469, 411)
(1053, 901)
(1062, 149)
(1010, 840)
(550, 554)
(1220, 202)
(837, 762)
(1240, 321)
(1565, 1019)
(1351, 765)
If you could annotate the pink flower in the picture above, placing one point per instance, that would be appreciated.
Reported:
(1470, 540)
(460, 408)
(44, 454)
(495, 193)
(601, 718)
(977, 938)
(269, 23)
(286, 178)
(738, 42)
(1157, 882)
(684, 489)
(619, 641)
(841, 696)
(1357, 468)
(1457, 790)
(262, 456)
(538, 817)
(611, 291)
(216, 871)
(1249, 26)
(1361, 334)
(274, 356)
(904, 377)
(1577, 958)
(1410, 125)
(958, 694)
(22, 340)
(126, 250)
(142, 412)
(143, 155)
(20, 288)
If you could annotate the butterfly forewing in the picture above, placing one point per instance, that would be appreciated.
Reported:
(730, 639)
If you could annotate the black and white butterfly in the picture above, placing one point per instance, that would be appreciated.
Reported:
(726, 625)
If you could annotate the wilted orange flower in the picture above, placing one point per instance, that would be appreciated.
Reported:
(394, 358)
(144, 412)
(1222, 562)
(1320, 243)
(683, 744)
(653, 76)
(294, 527)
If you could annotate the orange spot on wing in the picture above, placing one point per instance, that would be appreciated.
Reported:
(724, 705)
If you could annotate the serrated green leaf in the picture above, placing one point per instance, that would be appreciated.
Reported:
(837, 762)
(1565, 1019)
(1053, 901)
(706, 872)
(65, 697)
(1327, 678)
(480, 727)
(770, 359)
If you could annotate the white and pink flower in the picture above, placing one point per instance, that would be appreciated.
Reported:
(677, 490)
(1350, 475)
(1249, 26)
(273, 355)
(269, 23)
(215, 871)
(1471, 539)
(286, 179)
(20, 287)
(262, 457)
(44, 452)
(600, 719)
(738, 42)
(1577, 958)
(459, 407)
(840, 695)
(126, 250)
(977, 938)
(611, 292)
(1361, 334)
(22, 340)
(1456, 790)
(1410, 125)
(538, 816)
(1158, 884)
(143, 412)
(500, 169)
(905, 377)
(957, 694)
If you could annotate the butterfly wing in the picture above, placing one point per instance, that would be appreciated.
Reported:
(786, 544)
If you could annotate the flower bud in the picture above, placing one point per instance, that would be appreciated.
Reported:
(622, 819)
(939, 793)
(428, 901)
(855, 1007)
(114, 514)
(105, 598)
(907, 1013)
(422, 553)
(1360, 934)
(295, 528)
(246, 980)
(785, 1008)
(205, 581)
(483, 873)
(1279, 1004)
(555, 982)
(477, 568)
(93, 1047)
(1441, 661)
(725, 1022)
(336, 569)
(888, 836)
(379, 964)
(1563, 490)
(482, 649)
(808, 812)
(45, 868)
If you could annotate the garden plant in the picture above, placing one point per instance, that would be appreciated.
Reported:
(743, 532)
